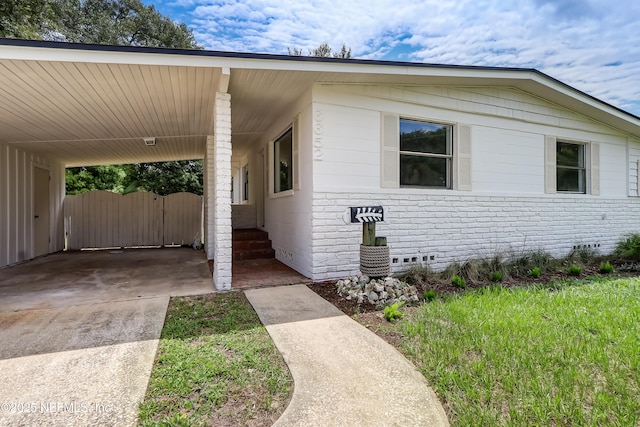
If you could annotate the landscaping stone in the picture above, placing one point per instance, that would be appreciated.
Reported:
(379, 292)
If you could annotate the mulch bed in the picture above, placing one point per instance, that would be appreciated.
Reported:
(327, 290)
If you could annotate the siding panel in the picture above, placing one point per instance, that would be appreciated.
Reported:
(16, 203)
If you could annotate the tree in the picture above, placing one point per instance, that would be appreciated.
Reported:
(164, 177)
(112, 22)
(82, 179)
(24, 19)
(323, 51)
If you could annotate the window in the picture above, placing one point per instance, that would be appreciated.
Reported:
(425, 154)
(571, 171)
(245, 183)
(283, 162)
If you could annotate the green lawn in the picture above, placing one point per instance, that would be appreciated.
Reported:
(216, 365)
(561, 355)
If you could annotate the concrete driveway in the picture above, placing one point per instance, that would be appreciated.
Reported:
(79, 332)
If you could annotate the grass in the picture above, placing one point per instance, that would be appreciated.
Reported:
(563, 354)
(216, 365)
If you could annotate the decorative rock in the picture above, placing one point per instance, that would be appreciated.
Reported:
(379, 292)
(373, 297)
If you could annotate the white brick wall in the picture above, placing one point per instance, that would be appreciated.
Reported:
(218, 197)
(453, 227)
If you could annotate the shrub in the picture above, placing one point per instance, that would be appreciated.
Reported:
(574, 270)
(429, 295)
(583, 254)
(629, 247)
(417, 275)
(497, 276)
(392, 312)
(458, 282)
(534, 272)
(606, 267)
(542, 260)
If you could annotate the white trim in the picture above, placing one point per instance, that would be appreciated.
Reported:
(271, 159)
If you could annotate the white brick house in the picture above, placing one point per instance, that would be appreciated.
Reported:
(466, 161)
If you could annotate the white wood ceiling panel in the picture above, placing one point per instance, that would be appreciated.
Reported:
(87, 113)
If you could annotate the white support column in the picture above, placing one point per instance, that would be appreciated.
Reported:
(219, 234)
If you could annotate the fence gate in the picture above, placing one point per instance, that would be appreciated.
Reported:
(102, 219)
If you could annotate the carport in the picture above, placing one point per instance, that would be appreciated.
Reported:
(68, 105)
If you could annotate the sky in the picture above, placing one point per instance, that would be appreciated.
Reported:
(592, 45)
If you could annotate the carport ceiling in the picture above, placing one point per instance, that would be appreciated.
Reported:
(99, 113)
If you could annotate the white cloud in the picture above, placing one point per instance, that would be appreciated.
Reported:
(592, 45)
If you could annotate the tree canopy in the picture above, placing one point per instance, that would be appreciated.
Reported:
(158, 177)
(112, 22)
(164, 177)
(81, 179)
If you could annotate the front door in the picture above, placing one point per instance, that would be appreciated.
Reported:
(40, 211)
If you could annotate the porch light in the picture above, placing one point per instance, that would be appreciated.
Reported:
(149, 141)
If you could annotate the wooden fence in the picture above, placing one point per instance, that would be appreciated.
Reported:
(102, 219)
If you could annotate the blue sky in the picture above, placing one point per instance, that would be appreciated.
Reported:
(592, 45)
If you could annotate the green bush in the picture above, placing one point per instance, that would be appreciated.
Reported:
(629, 247)
(429, 295)
(497, 276)
(392, 312)
(574, 270)
(458, 282)
(535, 272)
(606, 268)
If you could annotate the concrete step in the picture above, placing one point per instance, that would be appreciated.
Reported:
(250, 234)
(251, 244)
(244, 254)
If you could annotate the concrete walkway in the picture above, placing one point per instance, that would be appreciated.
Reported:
(344, 374)
(78, 365)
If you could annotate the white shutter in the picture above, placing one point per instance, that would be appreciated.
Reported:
(390, 152)
(595, 168)
(550, 179)
(295, 136)
(462, 156)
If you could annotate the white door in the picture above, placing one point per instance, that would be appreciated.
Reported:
(40, 211)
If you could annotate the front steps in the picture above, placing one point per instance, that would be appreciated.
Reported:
(251, 244)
